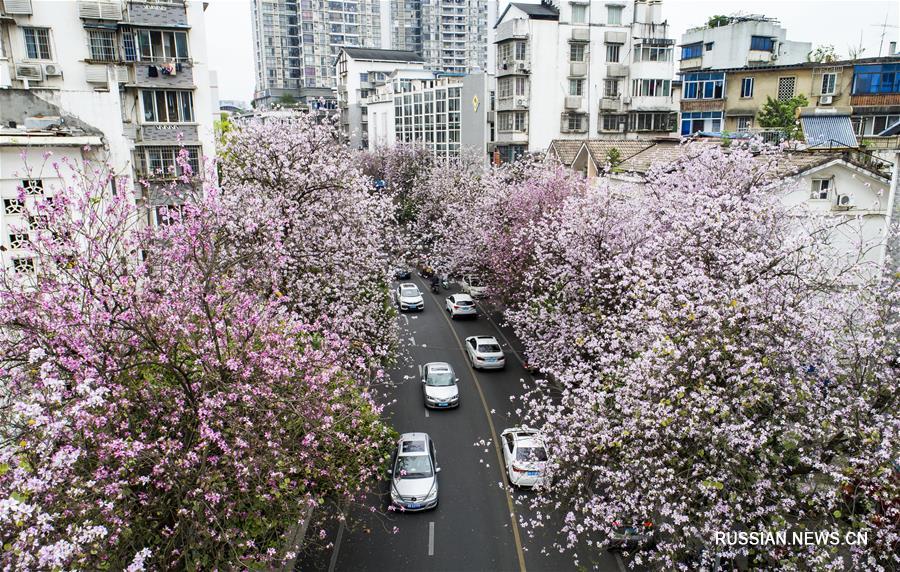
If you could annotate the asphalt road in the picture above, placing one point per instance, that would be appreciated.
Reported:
(473, 527)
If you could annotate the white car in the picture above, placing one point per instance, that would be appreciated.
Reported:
(409, 297)
(524, 455)
(414, 482)
(485, 352)
(461, 305)
(473, 286)
(439, 385)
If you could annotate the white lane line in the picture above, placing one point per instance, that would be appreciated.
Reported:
(430, 539)
(420, 371)
(337, 548)
(405, 319)
(620, 563)
(426, 413)
(412, 340)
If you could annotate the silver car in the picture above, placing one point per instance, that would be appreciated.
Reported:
(414, 483)
(461, 305)
(485, 352)
(439, 385)
(409, 297)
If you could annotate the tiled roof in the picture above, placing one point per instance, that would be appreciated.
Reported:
(538, 11)
(565, 150)
(383, 55)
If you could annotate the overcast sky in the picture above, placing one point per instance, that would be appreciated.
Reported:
(837, 22)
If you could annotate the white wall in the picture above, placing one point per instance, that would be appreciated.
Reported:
(731, 44)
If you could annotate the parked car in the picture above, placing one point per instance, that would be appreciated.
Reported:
(473, 286)
(414, 482)
(409, 297)
(631, 535)
(461, 306)
(485, 352)
(439, 387)
(524, 455)
(402, 273)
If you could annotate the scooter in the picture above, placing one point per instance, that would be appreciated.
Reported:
(445, 284)
(435, 286)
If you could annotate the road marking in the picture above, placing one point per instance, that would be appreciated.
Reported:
(512, 510)
(430, 539)
(405, 319)
(337, 547)
(412, 340)
(620, 563)
(426, 413)
(487, 316)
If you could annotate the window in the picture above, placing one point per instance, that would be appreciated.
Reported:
(705, 85)
(694, 121)
(614, 15)
(786, 88)
(156, 45)
(611, 122)
(828, 83)
(504, 87)
(33, 186)
(762, 43)
(167, 106)
(103, 45)
(576, 53)
(708, 46)
(876, 79)
(511, 121)
(576, 87)
(747, 87)
(820, 189)
(611, 88)
(744, 123)
(364, 77)
(579, 13)
(520, 85)
(691, 51)
(18, 240)
(167, 162)
(650, 87)
(23, 265)
(652, 54)
(652, 121)
(13, 206)
(520, 50)
(612, 52)
(37, 43)
(575, 122)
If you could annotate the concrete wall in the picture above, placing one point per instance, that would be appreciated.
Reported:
(731, 45)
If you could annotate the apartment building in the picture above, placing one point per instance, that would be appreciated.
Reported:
(297, 41)
(135, 70)
(576, 70)
(867, 90)
(358, 72)
(446, 113)
(737, 41)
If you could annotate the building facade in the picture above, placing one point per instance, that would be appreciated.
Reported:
(359, 70)
(447, 114)
(581, 69)
(135, 70)
(297, 41)
(738, 41)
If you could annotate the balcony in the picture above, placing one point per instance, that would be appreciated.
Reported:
(141, 76)
(691, 64)
(879, 99)
(615, 37)
(616, 70)
(166, 15)
(167, 134)
(519, 102)
(574, 102)
(610, 104)
(511, 29)
(506, 137)
(580, 35)
(577, 69)
(512, 67)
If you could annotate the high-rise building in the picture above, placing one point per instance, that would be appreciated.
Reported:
(296, 42)
(132, 71)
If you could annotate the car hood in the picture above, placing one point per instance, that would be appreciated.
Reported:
(417, 298)
(442, 392)
(418, 488)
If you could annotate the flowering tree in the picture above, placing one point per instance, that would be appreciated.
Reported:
(311, 228)
(718, 374)
(156, 411)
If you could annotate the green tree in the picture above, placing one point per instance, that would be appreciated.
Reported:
(783, 115)
(823, 54)
(287, 100)
(716, 21)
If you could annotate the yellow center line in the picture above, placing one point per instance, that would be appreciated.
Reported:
(487, 413)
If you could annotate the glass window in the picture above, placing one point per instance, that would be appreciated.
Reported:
(691, 51)
(614, 15)
(579, 13)
(747, 87)
(37, 43)
(612, 52)
(762, 43)
(611, 88)
(820, 188)
(828, 83)
(520, 50)
(103, 45)
(576, 87)
(576, 52)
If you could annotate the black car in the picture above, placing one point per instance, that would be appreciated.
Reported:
(402, 274)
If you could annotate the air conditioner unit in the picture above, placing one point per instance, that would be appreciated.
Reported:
(52, 70)
(522, 66)
(521, 102)
(845, 201)
(826, 99)
(32, 72)
(626, 99)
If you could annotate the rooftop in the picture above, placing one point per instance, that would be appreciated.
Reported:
(383, 55)
(534, 11)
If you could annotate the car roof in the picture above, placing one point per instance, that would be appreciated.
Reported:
(486, 339)
(413, 444)
(526, 437)
(408, 285)
(462, 297)
(438, 366)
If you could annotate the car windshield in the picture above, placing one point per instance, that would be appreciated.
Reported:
(531, 454)
(466, 303)
(489, 348)
(440, 378)
(409, 291)
(476, 282)
(413, 467)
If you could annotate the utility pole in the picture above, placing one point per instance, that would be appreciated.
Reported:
(884, 28)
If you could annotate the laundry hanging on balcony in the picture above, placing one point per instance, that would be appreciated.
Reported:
(168, 68)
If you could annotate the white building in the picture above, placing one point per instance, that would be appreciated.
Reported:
(358, 71)
(739, 41)
(576, 70)
(445, 113)
(134, 70)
